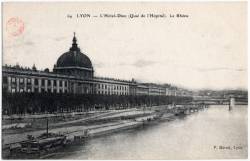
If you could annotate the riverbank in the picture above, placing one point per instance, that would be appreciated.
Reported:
(184, 138)
(97, 124)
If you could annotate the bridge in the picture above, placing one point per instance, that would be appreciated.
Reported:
(202, 103)
(220, 101)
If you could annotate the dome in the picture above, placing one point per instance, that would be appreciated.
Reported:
(74, 58)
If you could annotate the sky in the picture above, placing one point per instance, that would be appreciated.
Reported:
(207, 49)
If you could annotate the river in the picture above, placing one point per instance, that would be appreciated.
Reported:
(214, 133)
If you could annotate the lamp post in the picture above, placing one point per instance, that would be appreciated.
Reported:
(47, 129)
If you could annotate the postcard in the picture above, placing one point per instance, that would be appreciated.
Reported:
(124, 80)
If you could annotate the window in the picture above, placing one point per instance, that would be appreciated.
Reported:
(13, 80)
(60, 83)
(43, 82)
(28, 81)
(5, 80)
(54, 82)
(36, 81)
(66, 84)
(13, 90)
(49, 82)
(21, 90)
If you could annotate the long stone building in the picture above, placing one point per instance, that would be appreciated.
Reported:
(74, 73)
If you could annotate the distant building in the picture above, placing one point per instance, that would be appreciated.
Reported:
(74, 73)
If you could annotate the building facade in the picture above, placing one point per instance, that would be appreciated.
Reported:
(73, 73)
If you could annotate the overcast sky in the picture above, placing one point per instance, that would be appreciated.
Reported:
(206, 50)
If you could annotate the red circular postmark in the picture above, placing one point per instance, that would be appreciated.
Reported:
(15, 26)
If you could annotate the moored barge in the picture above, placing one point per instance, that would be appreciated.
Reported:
(39, 146)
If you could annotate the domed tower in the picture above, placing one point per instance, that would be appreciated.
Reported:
(75, 63)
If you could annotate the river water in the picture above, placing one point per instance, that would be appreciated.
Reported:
(214, 133)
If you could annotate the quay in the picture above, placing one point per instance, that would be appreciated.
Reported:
(80, 130)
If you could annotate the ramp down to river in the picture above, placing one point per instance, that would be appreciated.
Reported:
(111, 118)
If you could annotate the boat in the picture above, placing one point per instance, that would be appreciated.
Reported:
(44, 142)
(35, 147)
(39, 146)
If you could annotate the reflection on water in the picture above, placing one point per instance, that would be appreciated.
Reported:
(197, 136)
